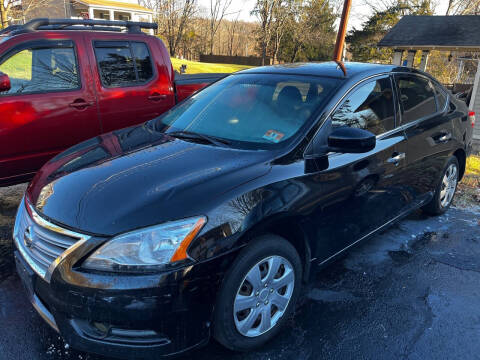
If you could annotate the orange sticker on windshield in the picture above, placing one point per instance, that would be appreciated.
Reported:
(274, 136)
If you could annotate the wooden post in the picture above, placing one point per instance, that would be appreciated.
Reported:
(397, 57)
(342, 30)
(410, 57)
(424, 62)
(461, 65)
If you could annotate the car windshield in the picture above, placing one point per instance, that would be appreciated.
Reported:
(250, 110)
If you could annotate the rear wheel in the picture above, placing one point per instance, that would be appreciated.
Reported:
(445, 190)
(258, 294)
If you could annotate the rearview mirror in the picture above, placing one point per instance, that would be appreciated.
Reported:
(351, 140)
(4, 82)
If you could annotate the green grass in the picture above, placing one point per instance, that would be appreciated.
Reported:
(18, 66)
(194, 67)
(473, 165)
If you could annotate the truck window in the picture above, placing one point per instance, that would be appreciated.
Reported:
(35, 70)
(123, 63)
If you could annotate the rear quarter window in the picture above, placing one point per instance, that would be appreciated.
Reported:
(441, 97)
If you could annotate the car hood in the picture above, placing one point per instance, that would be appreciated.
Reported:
(138, 177)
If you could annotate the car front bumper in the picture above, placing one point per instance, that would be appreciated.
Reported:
(125, 316)
(118, 315)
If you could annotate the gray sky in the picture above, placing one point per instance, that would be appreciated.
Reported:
(358, 14)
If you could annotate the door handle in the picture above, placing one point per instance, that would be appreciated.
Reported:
(80, 104)
(157, 97)
(396, 158)
(443, 138)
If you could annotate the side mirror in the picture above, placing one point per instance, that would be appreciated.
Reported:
(4, 82)
(351, 140)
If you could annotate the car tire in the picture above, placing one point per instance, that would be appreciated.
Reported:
(445, 191)
(241, 329)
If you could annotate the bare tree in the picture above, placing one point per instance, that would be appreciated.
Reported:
(218, 10)
(5, 7)
(264, 10)
(232, 27)
(282, 14)
(29, 9)
(173, 16)
(463, 7)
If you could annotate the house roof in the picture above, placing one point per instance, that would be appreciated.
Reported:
(114, 4)
(434, 32)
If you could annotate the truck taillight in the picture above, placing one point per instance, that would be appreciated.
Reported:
(471, 117)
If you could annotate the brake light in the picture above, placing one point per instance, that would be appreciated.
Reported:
(471, 117)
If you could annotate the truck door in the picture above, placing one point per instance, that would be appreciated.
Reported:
(131, 80)
(50, 106)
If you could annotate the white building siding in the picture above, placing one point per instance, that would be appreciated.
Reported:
(475, 105)
(476, 108)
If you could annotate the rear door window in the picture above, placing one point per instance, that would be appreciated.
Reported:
(123, 63)
(42, 67)
(417, 97)
(370, 106)
(441, 97)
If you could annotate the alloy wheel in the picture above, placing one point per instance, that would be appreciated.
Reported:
(263, 296)
(449, 185)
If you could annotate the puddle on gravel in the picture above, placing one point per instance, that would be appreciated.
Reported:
(400, 256)
(423, 240)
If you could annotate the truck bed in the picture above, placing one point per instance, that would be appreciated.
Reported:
(188, 84)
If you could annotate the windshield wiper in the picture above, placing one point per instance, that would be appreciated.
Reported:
(196, 136)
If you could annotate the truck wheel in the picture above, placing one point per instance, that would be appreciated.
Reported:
(445, 190)
(258, 294)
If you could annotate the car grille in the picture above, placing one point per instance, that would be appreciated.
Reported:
(40, 242)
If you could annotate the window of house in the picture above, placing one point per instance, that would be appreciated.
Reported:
(41, 69)
(417, 97)
(368, 107)
(123, 63)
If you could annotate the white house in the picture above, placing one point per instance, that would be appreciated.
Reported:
(93, 9)
(110, 10)
(445, 33)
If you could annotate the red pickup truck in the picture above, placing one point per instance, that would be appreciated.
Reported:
(63, 81)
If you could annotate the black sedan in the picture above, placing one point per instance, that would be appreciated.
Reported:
(208, 220)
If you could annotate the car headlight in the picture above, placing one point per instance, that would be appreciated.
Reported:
(148, 248)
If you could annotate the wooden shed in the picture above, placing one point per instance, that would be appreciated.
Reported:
(459, 34)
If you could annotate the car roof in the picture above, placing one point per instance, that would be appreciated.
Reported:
(329, 68)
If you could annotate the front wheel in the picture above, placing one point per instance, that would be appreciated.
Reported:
(258, 294)
(445, 190)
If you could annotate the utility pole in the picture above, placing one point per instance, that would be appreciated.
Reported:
(342, 31)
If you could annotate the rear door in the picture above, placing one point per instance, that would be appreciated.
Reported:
(50, 106)
(428, 128)
(132, 82)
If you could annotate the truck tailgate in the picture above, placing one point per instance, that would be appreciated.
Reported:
(187, 84)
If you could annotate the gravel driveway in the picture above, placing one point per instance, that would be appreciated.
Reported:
(410, 293)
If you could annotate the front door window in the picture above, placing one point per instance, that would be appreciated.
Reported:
(41, 69)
